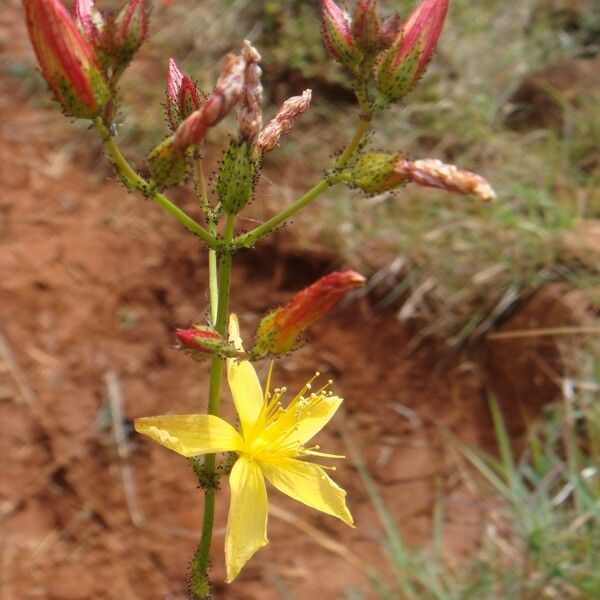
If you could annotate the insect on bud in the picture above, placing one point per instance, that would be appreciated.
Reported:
(279, 330)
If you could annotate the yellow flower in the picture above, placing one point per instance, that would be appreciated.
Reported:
(269, 444)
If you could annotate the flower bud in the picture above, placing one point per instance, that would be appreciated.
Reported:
(115, 38)
(430, 172)
(218, 105)
(400, 67)
(283, 121)
(183, 96)
(167, 166)
(66, 59)
(279, 330)
(337, 35)
(237, 177)
(375, 173)
(200, 341)
(132, 29)
(366, 27)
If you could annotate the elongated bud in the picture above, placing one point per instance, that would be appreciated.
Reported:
(283, 121)
(200, 341)
(183, 96)
(218, 105)
(431, 172)
(249, 109)
(167, 166)
(337, 35)
(400, 67)
(132, 29)
(237, 177)
(66, 59)
(366, 27)
(375, 173)
(279, 330)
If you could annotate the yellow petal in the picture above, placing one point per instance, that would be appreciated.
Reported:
(247, 522)
(314, 417)
(191, 435)
(244, 384)
(308, 483)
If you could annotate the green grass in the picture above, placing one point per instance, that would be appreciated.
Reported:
(542, 538)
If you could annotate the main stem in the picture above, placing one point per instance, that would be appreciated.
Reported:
(199, 579)
(200, 585)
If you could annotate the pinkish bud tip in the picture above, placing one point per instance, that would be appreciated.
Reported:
(183, 96)
(400, 67)
(337, 34)
(200, 339)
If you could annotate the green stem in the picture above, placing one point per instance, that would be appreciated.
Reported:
(134, 180)
(199, 580)
(249, 239)
(362, 128)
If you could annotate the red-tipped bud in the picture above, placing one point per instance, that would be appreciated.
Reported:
(279, 330)
(66, 59)
(430, 172)
(400, 67)
(183, 96)
(218, 105)
(337, 35)
(201, 341)
(132, 28)
(366, 27)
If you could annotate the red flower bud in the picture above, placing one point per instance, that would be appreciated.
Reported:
(66, 59)
(183, 96)
(366, 28)
(279, 330)
(338, 36)
(400, 67)
(200, 338)
(132, 28)
(201, 341)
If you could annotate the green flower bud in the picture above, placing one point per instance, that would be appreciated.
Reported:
(237, 177)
